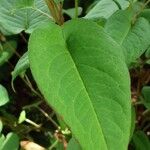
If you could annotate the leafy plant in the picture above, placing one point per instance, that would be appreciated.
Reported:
(85, 79)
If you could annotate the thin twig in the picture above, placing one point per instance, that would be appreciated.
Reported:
(32, 123)
(47, 116)
(53, 145)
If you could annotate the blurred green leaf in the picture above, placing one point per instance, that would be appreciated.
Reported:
(141, 141)
(71, 12)
(146, 14)
(3, 96)
(1, 126)
(148, 62)
(123, 3)
(4, 31)
(11, 142)
(9, 48)
(2, 139)
(133, 119)
(135, 38)
(21, 66)
(146, 96)
(147, 53)
(103, 9)
(1, 48)
(16, 19)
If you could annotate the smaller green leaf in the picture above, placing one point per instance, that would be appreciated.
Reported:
(133, 118)
(104, 9)
(3, 96)
(118, 25)
(146, 14)
(11, 142)
(1, 126)
(148, 62)
(141, 141)
(2, 139)
(1, 47)
(146, 95)
(71, 12)
(22, 117)
(137, 40)
(73, 145)
(21, 66)
(147, 53)
(7, 51)
(123, 3)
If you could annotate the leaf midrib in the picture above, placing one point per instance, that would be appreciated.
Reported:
(90, 102)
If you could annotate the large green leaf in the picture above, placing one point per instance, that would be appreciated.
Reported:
(10, 143)
(16, 16)
(82, 74)
(73, 145)
(3, 96)
(134, 38)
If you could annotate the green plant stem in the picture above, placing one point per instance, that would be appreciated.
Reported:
(31, 88)
(145, 112)
(36, 104)
(53, 145)
(32, 123)
(76, 8)
(47, 116)
(14, 50)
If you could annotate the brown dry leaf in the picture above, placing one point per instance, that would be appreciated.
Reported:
(28, 145)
